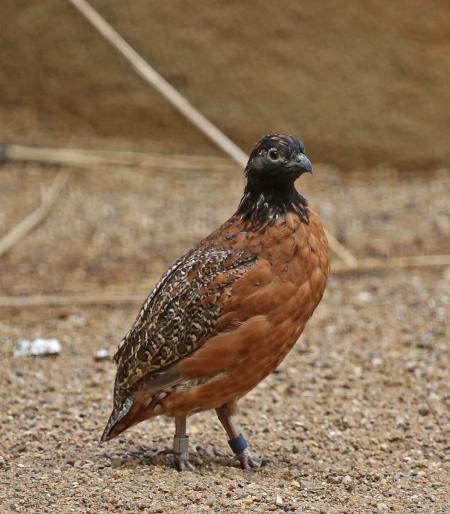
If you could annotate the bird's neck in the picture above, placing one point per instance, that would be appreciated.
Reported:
(263, 204)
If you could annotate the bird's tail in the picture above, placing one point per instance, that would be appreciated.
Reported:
(139, 406)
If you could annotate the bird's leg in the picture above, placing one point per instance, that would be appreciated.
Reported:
(236, 440)
(181, 445)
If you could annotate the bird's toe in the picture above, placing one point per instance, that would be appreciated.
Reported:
(248, 461)
(182, 462)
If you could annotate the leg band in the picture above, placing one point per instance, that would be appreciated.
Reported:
(181, 444)
(238, 444)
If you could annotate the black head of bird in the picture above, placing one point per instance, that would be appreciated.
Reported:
(275, 163)
(277, 160)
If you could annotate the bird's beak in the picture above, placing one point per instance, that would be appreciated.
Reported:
(302, 163)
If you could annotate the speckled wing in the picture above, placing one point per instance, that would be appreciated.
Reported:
(179, 315)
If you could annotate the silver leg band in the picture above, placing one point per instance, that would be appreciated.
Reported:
(181, 444)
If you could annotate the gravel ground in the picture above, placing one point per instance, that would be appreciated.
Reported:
(355, 420)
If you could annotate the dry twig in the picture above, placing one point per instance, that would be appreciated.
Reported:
(83, 158)
(114, 298)
(154, 79)
(31, 221)
(417, 261)
(71, 299)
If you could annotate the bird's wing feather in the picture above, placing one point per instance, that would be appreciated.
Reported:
(179, 315)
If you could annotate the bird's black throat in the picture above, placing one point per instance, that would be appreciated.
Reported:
(263, 204)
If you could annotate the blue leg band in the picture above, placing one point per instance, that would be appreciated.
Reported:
(238, 444)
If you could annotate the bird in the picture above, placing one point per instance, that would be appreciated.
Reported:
(225, 314)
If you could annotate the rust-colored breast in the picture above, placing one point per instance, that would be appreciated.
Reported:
(263, 314)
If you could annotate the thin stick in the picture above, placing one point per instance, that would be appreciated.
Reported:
(37, 216)
(152, 77)
(349, 260)
(112, 298)
(71, 299)
(417, 261)
(83, 157)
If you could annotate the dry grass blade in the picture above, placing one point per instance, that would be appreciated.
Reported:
(114, 298)
(31, 221)
(71, 299)
(83, 157)
(346, 257)
(416, 261)
(153, 78)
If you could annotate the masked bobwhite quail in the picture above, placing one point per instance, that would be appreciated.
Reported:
(227, 313)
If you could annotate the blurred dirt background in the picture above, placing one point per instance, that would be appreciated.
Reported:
(363, 84)
(357, 419)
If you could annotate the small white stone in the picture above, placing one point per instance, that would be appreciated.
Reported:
(101, 355)
(331, 329)
(364, 296)
(278, 500)
(357, 371)
(377, 361)
(347, 481)
(37, 348)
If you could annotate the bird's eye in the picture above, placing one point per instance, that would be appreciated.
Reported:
(273, 154)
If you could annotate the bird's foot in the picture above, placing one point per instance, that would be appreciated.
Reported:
(182, 462)
(240, 449)
(181, 453)
(247, 460)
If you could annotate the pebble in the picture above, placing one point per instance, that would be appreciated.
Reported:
(401, 422)
(116, 462)
(410, 366)
(334, 479)
(357, 371)
(347, 481)
(364, 296)
(37, 348)
(433, 397)
(77, 320)
(424, 410)
(101, 355)
(278, 500)
(307, 484)
(424, 344)
(377, 361)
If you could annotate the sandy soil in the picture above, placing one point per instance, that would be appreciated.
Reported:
(355, 420)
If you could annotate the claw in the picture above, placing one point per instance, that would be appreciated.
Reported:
(247, 460)
(182, 462)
